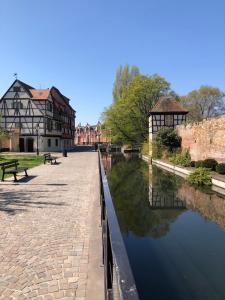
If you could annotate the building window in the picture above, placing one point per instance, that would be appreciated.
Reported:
(49, 106)
(56, 142)
(49, 142)
(17, 105)
(16, 89)
(168, 120)
(49, 124)
(58, 126)
(18, 125)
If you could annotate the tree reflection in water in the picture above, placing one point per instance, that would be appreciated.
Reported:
(130, 189)
(174, 253)
(148, 199)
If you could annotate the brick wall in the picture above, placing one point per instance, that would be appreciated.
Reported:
(204, 139)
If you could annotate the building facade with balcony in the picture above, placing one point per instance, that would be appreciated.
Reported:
(44, 118)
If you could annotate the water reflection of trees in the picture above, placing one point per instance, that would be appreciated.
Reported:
(148, 199)
(129, 185)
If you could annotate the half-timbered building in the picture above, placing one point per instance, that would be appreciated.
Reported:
(166, 113)
(44, 117)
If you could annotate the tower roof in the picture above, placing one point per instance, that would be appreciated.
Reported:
(168, 104)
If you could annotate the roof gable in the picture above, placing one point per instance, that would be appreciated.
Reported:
(26, 87)
(168, 104)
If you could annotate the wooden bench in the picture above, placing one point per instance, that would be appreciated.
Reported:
(49, 158)
(12, 167)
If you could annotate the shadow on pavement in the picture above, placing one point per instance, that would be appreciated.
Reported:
(16, 202)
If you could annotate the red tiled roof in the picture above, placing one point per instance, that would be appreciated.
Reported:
(41, 94)
(168, 104)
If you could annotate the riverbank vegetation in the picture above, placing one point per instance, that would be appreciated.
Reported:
(183, 159)
(200, 176)
(134, 95)
(167, 146)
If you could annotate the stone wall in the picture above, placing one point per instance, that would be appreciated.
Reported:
(205, 139)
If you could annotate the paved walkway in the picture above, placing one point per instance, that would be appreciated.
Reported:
(50, 238)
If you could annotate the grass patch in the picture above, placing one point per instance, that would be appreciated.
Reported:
(28, 161)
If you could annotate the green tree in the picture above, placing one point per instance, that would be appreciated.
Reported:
(128, 117)
(205, 102)
(123, 76)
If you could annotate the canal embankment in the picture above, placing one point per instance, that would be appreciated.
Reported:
(218, 181)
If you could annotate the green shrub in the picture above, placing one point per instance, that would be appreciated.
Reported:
(182, 159)
(220, 168)
(145, 148)
(192, 164)
(200, 176)
(210, 163)
(199, 164)
(169, 138)
(157, 150)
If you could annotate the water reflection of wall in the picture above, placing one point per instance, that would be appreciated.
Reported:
(111, 159)
(107, 161)
(211, 206)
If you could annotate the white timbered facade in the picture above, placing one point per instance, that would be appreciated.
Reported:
(166, 113)
(44, 117)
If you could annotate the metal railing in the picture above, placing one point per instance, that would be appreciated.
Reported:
(119, 280)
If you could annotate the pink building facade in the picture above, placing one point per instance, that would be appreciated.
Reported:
(91, 134)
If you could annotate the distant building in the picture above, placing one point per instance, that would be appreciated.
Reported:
(91, 134)
(44, 118)
(166, 113)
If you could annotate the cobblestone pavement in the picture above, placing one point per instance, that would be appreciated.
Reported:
(45, 231)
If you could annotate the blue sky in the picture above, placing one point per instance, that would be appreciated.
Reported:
(77, 45)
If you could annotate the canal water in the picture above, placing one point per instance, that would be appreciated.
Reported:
(174, 234)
